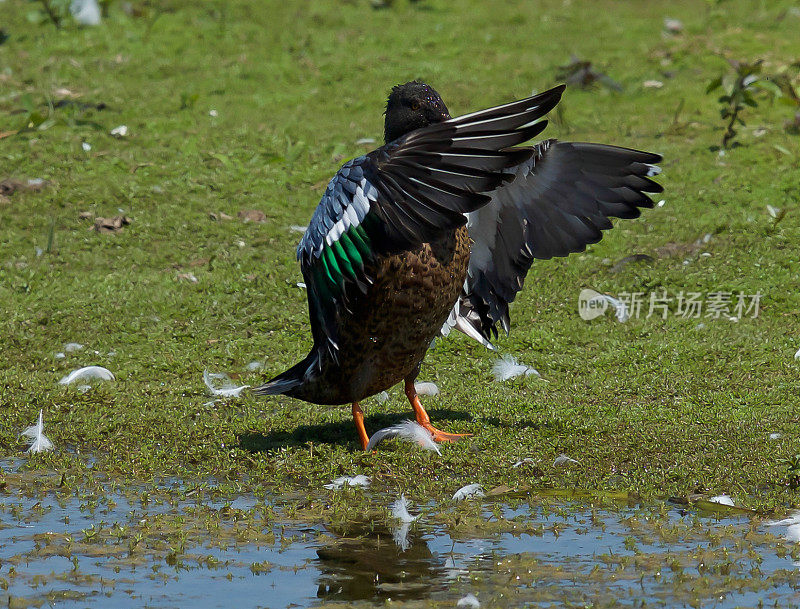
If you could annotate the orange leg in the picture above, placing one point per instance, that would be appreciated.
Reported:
(358, 419)
(424, 420)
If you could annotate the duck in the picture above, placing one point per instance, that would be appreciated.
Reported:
(436, 230)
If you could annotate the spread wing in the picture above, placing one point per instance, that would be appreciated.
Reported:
(409, 192)
(560, 201)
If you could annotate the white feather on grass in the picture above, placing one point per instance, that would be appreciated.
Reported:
(227, 389)
(470, 600)
(522, 462)
(563, 460)
(39, 442)
(382, 397)
(722, 500)
(507, 367)
(254, 365)
(426, 389)
(406, 430)
(469, 491)
(88, 373)
(71, 347)
(297, 228)
(340, 483)
(797, 355)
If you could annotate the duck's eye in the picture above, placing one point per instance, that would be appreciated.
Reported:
(415, 106)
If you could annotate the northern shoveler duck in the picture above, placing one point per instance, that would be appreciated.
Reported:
(437, 229)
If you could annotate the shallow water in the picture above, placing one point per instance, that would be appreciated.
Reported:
(142, 548)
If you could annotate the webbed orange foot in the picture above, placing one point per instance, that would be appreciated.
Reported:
(424, 420)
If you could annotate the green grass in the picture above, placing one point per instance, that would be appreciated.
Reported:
(656, 407)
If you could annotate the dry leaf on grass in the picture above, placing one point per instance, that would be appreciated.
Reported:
(111, 225)
(252, 215)
(219, 216)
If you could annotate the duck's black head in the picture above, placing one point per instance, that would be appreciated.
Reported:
(411, 106)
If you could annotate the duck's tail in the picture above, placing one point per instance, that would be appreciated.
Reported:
(288, 382)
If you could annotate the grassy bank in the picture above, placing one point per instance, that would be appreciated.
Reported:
(245, 106)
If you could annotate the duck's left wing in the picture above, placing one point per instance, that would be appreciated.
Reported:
(559, 202)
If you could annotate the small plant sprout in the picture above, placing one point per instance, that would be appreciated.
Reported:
(39, 442)
(406, 430)
(740, 88)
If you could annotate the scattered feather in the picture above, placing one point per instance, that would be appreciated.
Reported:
(297, 228)
(301, 285)
(508, 367)
(86, 146)
(83, 388)
(213, 113)
(39, 442)
(775, 436)
(722, 500)
(88, 373)
(339, 483)
(227, 389)
(469, 491)
(399, 509)
(426, 389)
(797, 355)
(255, 365)
(470, 600)
(620, 308)
(673, 26)
(652, 84)
(365, 140)
(85, 12)
(661, 203)
(406, 430)
(400, 536)
(60, 355)
(120, 131)
(793, 526)
(563, 460)
(71, 347)
(775, 212)
(382, 397)
(522, 462)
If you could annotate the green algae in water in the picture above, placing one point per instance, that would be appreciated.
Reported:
(168, 546)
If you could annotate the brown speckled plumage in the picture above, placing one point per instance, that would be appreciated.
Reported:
(391, 326)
